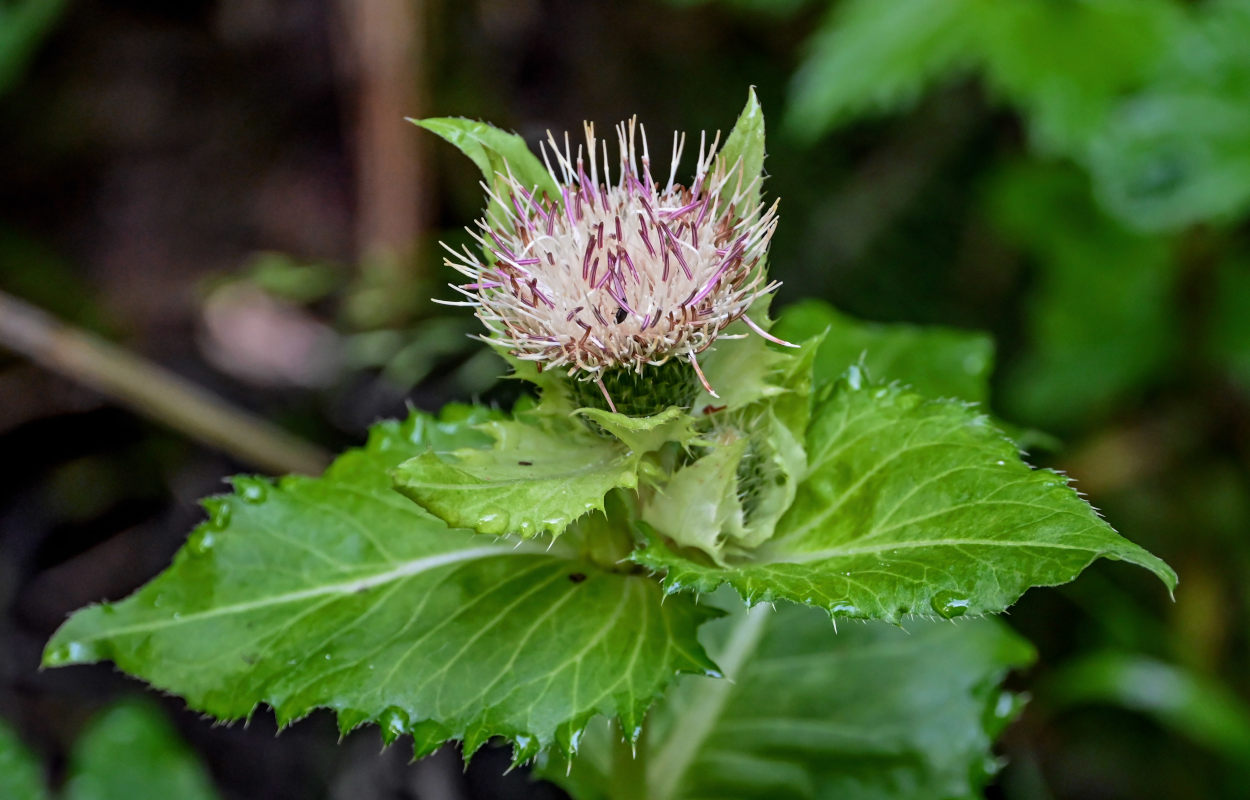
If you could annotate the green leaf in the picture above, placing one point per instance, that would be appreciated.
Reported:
(870, 57)
(1178, 152)
(497, 154)
(912, 506)
(24, 26)
(934, 361)
(534, 480)
(743, 154)
(698, 507)
(129, 751)
(21, 775)
(1065, 64)
(644, 434)
(1101, 321)
(871, 712)
(337, 592)
(1202, 709)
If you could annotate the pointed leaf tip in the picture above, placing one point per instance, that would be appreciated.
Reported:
(913, 506)
(742, 155)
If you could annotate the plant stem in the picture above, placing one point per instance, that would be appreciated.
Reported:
(152, 390)
(678, 751)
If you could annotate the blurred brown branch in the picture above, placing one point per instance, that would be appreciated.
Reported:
(152, 390)
(384, 56)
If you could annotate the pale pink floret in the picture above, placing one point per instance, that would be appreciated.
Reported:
(618, 274)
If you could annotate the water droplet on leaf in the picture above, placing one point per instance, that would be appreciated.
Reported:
(219, 516)
(252, 490)
(949, 605)
(201, 542)
(394, 723)
(71, 653)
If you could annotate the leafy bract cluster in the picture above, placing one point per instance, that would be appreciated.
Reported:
(478, 574)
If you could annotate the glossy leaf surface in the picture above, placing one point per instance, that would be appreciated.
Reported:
(934, 361)
(535, 479)
(912, 506)
(338, 592)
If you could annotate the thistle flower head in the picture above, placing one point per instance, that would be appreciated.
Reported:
(619, 271)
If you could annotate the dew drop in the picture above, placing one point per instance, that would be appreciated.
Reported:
(949, 605)
(394, 723)
(201, 542)
(219, 516)
(70, 653)
(492, 523)
(252, 490)
(57, 656)
(1006, 706)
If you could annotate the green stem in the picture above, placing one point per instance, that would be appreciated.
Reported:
(677, 752)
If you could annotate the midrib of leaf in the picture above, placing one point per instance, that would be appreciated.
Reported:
(600, 464)
(678, 751)
(404, 570)
(821, 555)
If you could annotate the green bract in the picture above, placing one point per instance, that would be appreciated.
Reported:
(478, 574)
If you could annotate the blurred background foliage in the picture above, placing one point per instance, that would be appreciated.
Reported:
(227, 188)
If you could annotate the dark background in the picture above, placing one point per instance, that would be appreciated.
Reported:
(228, 189)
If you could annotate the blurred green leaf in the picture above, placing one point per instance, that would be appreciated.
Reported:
(936, 362)
(868, 711)
(1100, 321)
(281, 275)
(1179, 152)
(873, 56)
(1229, 322)
(1063, 64)
(1195, 706)
(24, 24)
(129, 752)
(21, 775)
